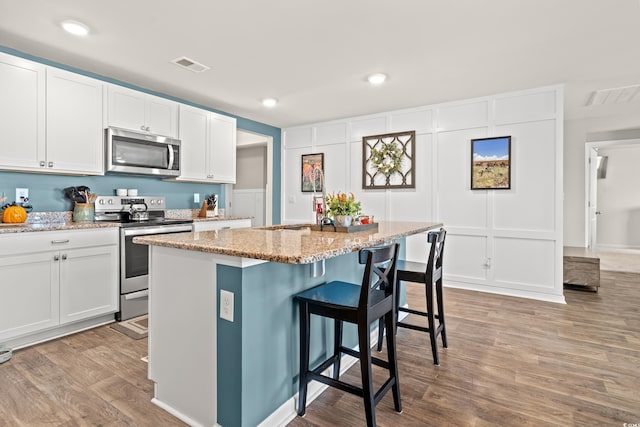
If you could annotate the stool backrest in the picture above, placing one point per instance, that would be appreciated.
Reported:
(436, 253)
(379, 272)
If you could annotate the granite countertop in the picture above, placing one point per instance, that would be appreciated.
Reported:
(283, 245)
(52, 226)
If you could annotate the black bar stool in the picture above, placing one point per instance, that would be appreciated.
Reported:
(431, 275)
(362, 305)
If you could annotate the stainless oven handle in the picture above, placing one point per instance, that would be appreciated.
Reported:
(171, 157)
(136, 295)
(145, 231)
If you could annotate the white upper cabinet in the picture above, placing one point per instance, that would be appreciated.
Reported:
(208, 150)
(138, 111)
(194, 138)
(22, 113)
(222, 159)
(74, 123)
(50, 119)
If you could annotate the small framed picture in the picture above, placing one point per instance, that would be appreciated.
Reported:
(312, 172)
(491, 163)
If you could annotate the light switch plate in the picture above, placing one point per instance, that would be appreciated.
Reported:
(226, 305)
(196, 197)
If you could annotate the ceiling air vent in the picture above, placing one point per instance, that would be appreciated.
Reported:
(612, 96)
(190, 64)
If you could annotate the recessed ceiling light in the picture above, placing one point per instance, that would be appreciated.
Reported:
(269, 102)
(377, 78)
(74, 27)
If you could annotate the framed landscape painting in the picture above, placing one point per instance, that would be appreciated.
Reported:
(312, 172)
(491, 163)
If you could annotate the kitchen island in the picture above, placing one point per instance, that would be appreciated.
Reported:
(223, 326)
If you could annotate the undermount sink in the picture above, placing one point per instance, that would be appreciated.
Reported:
(285, 227)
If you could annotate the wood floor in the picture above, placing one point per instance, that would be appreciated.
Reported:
(510, 362)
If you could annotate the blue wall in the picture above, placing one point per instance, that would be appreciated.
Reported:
(45, 190)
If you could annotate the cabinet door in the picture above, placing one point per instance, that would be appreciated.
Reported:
(88, 282)
(74, 123)
(126, 108)
(161, 116)
(22, 113)
(194, 137)
(28, 294)
(222, 155)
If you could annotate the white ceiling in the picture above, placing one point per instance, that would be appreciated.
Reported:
(314, 56)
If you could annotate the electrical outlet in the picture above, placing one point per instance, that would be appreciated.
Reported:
(226, 305)
(22, 195)
(196, 197)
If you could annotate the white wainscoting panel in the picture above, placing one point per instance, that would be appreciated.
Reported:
(457, 204)
(368, 126)
(297, 137)
(463, 116)
(465, 257)
(336, 160)
(525, 107)
(529, 204)
(419, 120)
(331, 133)
(250, 202)
(524, 263)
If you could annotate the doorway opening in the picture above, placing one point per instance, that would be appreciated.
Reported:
(252, 194)
(612, 223)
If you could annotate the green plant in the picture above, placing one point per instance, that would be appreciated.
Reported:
(341, 204)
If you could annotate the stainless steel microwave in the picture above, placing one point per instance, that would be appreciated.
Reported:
(140, 153)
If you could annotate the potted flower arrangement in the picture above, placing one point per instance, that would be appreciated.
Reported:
(342, 208)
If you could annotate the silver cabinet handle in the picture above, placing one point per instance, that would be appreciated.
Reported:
(64, 256)
(57, 242)
(50, 164)
(56, 258)
(42, 163)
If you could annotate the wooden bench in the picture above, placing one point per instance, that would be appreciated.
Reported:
(581, 268)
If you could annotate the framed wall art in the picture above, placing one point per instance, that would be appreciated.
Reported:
(388, 161)
(491, 163)
(312, 172)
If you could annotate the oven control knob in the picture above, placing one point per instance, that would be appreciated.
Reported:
(110, 201)
(153, 202)
(159, 201)
(101, 202)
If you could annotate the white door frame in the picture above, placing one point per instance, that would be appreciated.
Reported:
(591, 186)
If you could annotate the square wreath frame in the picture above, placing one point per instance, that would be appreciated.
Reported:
(407, 173)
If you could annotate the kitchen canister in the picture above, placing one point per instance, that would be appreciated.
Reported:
(84, 212)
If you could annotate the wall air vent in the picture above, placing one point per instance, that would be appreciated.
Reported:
(612, 96)
(190, 64)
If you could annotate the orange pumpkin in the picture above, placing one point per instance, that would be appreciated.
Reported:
(14, 214)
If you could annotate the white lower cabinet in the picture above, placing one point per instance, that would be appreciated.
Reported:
(52, 279)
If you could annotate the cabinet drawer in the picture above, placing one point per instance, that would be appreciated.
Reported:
(40, 241)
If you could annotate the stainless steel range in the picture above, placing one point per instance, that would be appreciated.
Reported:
(139, 216)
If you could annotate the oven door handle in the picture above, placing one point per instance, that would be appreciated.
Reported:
(136, 295)
(145, 231)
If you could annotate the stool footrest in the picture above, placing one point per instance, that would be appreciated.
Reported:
(416, 312)
(341, 385)
(356, 354)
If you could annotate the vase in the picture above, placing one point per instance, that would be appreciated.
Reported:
(344, 220)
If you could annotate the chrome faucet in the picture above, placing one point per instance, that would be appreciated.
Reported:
(317, 172)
